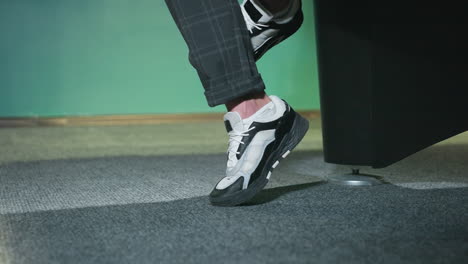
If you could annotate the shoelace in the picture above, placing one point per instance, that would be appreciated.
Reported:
(235, 137)
(250, 23)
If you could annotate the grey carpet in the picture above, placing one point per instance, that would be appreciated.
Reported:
(88, 197)
(308, 223)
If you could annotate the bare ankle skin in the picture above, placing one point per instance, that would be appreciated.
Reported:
(249, 104)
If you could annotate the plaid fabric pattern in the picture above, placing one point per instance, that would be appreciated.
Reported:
(219, 47)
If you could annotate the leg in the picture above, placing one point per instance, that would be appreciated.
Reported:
(262, 130)
(219, 48)
(247, 105)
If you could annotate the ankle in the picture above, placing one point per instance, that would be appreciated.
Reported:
(248, 105)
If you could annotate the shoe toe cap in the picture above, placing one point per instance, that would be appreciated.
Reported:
(229, 190)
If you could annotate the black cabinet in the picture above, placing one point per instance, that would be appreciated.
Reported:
(393, 78)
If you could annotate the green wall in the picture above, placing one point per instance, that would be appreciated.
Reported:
(94, 57)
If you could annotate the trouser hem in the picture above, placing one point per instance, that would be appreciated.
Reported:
(223, 92)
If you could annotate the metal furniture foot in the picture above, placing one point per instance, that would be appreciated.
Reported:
(356, 179)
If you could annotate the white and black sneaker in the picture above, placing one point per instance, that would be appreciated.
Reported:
(256, 146)
(267, 29)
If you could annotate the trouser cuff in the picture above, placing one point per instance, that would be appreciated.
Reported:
(224, 91)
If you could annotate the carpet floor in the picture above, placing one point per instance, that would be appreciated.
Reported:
(137, 194)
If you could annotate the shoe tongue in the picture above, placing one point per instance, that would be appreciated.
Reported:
(232, 120)
(257, 12)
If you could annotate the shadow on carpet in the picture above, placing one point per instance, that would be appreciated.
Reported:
(318, 223)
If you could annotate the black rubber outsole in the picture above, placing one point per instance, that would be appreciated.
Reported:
(258, 54)
(288, 143)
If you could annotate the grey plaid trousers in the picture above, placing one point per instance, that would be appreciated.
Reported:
(219, 47)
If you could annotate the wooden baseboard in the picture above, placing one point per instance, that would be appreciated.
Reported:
(112, 120)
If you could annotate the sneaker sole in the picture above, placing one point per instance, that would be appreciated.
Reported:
(288, 143)
(270, 43)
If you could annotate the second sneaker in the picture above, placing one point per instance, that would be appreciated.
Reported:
(267, 29)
